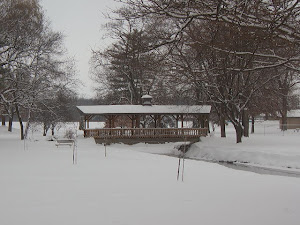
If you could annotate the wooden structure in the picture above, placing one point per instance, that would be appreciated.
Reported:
(69, 142)
(293, 120)
(146, 123)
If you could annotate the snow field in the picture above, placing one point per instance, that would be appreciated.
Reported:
(40, 185)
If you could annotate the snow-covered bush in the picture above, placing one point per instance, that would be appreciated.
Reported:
(70, 134)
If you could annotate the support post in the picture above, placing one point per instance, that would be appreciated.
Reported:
(113, 121)
(109, 121)
(159, 121)
(199, 121)
(155, 121)
(207, 124)
(85, 123)
(132, 121)
(202, 122)
(137, 121)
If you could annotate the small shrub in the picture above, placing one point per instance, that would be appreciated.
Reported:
(70, 134)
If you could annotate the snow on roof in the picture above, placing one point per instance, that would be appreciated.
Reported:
(140, 109)
(146, 96)
(294, 113)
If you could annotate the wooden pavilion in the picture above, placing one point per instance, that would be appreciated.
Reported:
(146, 123)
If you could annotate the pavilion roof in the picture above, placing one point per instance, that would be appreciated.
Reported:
(146, 110)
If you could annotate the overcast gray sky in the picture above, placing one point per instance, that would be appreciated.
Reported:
(80, 21)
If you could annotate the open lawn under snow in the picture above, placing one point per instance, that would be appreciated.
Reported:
(40, 185)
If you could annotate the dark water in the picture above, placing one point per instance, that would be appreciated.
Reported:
(259, 170)
(250, 168)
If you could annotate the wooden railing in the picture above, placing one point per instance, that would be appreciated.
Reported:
(107, 133)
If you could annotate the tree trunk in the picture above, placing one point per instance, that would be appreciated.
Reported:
(45, 128)
(283, 122)
(284, 112)
(222, 125)
(252, 124)
(239, 132)
(3, 120)
(20, 122)
(27, 124)
(222, 121)
(208, 127)
(266, 116)
(52, 129)
(10, 121)
(245, 122)
(10, 118)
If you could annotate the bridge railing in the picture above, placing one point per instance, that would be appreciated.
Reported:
(107, 133)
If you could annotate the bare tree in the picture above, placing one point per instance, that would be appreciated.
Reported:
(234, 44)
(30, 58)
(127, 69)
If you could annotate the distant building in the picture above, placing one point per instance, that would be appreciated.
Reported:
(293, 119)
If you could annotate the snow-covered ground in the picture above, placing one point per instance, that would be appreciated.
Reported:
(268, 147)
(40, 185)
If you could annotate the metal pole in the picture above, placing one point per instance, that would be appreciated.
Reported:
(105, 146)
(184, 150)
(178, 168)
(73, 153)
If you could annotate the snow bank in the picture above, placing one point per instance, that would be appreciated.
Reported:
(275, 149)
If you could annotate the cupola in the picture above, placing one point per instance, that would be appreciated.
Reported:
(147, 100)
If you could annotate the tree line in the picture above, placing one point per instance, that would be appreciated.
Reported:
(36, 77)
(241, 57)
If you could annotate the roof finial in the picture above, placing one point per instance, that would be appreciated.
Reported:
(147, 100)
